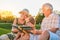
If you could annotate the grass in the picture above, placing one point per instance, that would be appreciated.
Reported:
(6, 25)
(5, 28)
(4, 31)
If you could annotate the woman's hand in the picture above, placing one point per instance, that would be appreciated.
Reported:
(33, 31)
(24, 37)
(37, 32)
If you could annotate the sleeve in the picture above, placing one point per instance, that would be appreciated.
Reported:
(55, 21)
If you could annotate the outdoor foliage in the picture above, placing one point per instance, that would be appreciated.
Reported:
(39, 18)
(6, 17)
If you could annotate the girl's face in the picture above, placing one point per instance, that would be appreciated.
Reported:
(28, 23)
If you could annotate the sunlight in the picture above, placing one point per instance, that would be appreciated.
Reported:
(32, 5)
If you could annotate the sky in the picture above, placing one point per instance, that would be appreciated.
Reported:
(32, 5)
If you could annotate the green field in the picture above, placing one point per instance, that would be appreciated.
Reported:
(6, 28)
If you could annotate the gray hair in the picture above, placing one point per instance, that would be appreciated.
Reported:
(26, 10)
(49, 5)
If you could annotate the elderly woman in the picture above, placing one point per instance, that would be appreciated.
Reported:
(25, 19)
(50, 24)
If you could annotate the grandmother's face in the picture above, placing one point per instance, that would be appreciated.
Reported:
(46, 10)
(24, 14)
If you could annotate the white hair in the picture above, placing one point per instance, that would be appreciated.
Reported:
(49, 5)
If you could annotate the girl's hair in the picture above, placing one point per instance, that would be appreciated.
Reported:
(32, 20)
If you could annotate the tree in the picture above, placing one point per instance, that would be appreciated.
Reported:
(6, 16)
(39, 17)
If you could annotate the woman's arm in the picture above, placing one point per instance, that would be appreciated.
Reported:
(14, 30)
(38, 32)
(14, 22)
